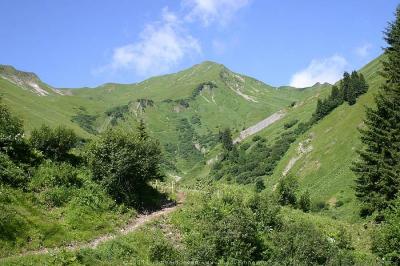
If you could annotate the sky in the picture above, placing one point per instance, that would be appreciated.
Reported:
(282, 42)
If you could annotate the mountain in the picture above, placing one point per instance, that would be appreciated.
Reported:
(184, 110)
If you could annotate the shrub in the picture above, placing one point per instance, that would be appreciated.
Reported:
(11, 135)
(222, 226)
(54, 143)
(300, 243)
(11, 223)
(319, 206)
(51, 174)
(163, 252)
(260, 185)
(305, 201)
(10, 173)
(55, 183)
(387, 238)
(339, 203)
(123, 163)
(290, 123)
(286, 189)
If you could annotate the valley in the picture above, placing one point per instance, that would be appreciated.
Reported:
(204, 166)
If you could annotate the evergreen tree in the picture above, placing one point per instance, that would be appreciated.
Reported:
(226, 139)
(305, 201)
(336, 97)
(345, 86)
(355, 83)
(363, 84)
(378, 168)
(142, 130)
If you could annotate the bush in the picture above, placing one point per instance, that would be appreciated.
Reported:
(305, 201)
(55, 183)
(290, 123)
(222, 226)
(11, 135)
(11, 223)
(52, 174)
(387, 238)
(300, 243)
(124, 163)
(163, 252)
(286, 190)
(54, 143)
(339, 203)
(319, 206)
(260, 185)
(10, 173)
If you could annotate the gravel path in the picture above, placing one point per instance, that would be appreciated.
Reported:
(133, 225)
(260, 126)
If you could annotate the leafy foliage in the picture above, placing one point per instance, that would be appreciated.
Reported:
(54, 143)
(247, 163)
(286, 190)
(387, 238)
(305, 201)
(85, 121)
(117, 113)
(11, 134)
(232, 226)
(123, 163)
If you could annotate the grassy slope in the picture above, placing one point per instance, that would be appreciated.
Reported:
(325, 171)
(217, 108)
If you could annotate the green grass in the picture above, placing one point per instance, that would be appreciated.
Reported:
(38, 226)
(136, 248)
(326, 170)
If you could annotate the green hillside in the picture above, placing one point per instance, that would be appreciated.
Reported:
(323, 164)
(184, 110)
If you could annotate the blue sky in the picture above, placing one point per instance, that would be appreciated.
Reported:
(87, 43)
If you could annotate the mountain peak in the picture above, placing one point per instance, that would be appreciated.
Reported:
(26, 80)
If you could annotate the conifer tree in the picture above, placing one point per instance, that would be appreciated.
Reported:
(345, 86)
(378, 168)
(142, 130)
(363, 84)
(226, 139)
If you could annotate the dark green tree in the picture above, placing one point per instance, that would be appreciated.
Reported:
(363, 84)
(378, 167)
(225, 138)
(11, 134)
(345, 86)
(123, 163)
(286, 189)
(305, 201)
(142, 130)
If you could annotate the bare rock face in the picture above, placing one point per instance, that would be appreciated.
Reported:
(27, 80)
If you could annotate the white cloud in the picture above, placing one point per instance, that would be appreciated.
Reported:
(364, 50)
(161, 46)
(320, 70)
(210, 11)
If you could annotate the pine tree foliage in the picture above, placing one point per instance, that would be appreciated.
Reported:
(378, 168)
(142, 130)
(351, 87)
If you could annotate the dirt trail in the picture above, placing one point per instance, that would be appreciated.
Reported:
(260, 126)
(133, 225)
